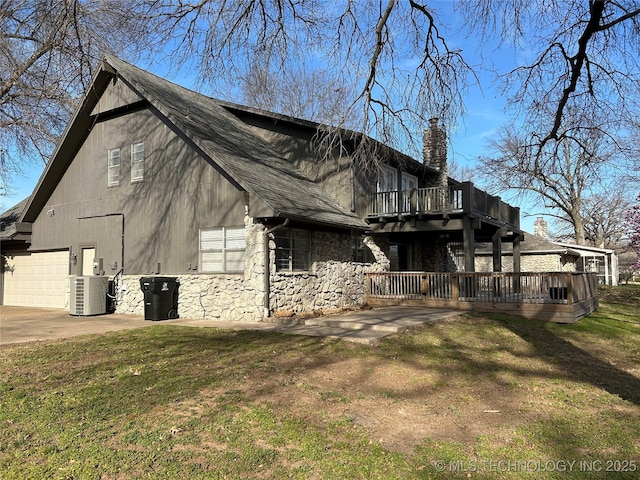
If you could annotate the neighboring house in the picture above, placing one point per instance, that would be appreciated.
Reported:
(602, 261)
(541, 255)
(153, 179)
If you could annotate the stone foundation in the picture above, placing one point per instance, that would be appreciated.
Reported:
(334, 281)
(331, 286)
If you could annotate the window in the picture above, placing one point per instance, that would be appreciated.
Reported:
(137, 162)
(222, 250)
(387, 195)
(409, 182)
(292, 250)
(113, 167)
(387, 179)
(360, 252)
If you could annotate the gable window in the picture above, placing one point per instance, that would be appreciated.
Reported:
(113, 167)
(137, 162)
(222, 249)
(292, 250)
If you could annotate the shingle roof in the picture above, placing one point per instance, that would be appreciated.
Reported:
(532, 244)
(9, 218)
(231, 144)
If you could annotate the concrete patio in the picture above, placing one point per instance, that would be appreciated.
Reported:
(22, 324)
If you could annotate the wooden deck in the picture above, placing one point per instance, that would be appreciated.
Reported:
(550, 296)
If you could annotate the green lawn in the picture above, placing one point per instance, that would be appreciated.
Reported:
(477, 396)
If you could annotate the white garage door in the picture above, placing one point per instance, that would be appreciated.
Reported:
(36, 280)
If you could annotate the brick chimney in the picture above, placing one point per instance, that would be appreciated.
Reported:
(540, 228)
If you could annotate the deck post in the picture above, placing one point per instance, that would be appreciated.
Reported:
(497, 249)
(455, 287)
(517, 264)
(469, 240)
(569, 288)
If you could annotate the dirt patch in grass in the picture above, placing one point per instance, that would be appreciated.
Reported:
(433, 384)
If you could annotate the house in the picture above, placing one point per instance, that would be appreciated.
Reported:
(150, 179)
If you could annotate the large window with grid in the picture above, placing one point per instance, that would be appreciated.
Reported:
(113, 167)
(292, 250)
(137, 162)
(222, 250)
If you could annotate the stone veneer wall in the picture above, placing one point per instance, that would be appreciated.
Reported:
(433, 255)
(213, 297)
(528, 263)
(333, 282)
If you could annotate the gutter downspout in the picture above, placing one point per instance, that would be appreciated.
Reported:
(267, 266)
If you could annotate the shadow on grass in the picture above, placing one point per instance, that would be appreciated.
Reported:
(576, 363)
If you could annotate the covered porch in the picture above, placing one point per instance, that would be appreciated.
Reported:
(561, 297)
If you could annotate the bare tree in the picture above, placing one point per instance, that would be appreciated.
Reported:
(391, 55)
(48, 50)
(632, 219)
(585, 58)
(565, 176)
(305, 92)
(603, 218)
(394, 56)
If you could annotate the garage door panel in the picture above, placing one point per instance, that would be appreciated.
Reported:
(37, 280)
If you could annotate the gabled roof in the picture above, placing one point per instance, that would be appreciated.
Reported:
(532, 244)
(586, 250)
(224, 140)
(10, 228)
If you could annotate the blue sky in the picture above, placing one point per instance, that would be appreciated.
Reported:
(484, 112)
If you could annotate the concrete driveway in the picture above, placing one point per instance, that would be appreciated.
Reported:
(22, 324)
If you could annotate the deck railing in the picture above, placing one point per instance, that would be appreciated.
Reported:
(440, 200)
(502, 291)
(416, 200)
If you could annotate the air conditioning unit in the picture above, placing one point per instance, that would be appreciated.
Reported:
(88, 295)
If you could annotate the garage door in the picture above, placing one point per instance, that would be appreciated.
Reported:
(36, 280)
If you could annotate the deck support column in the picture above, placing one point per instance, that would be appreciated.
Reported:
(517, 264)
(497, 249)
(469, 240)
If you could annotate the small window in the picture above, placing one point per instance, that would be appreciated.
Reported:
(137, 162)
(292, 250)
(222, 250)
(113, 167)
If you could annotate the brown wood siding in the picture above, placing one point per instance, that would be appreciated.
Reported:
(180, 194)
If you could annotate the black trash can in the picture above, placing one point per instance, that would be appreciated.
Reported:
(160, 297)
(558, 293)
